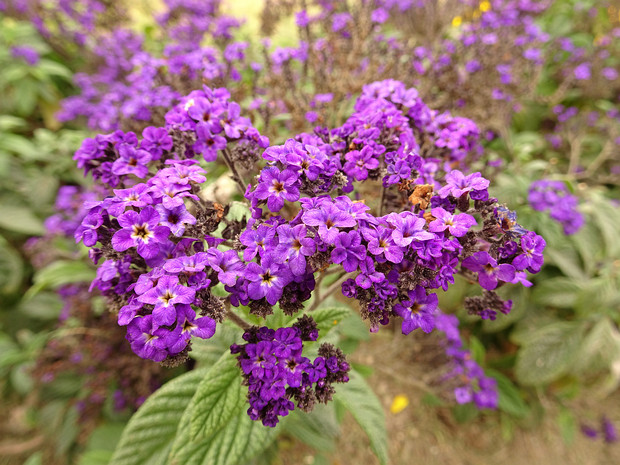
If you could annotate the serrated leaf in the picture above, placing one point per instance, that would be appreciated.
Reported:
(560, 292)
(150, 433)
(327, 318)
(359, 399)
(237, 442)
(548, 353)
(318, 428)
(219, 396)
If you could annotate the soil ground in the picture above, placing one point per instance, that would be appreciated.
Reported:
(425, 435)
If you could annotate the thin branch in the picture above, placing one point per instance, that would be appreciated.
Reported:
(330, 290)
(235, 174)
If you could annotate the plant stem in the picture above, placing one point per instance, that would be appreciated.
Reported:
(330, 290)
(235, 174)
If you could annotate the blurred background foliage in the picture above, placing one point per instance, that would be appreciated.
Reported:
(560, 341)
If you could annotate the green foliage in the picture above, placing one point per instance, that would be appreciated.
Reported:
(219, 396)
(360, 400)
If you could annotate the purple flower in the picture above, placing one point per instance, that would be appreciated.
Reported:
(294, 246)
(418, 311)
(328, 218)
(276, 187)
(257, 240)
(380, 243)
(175, 218)
(164, 295)
(267, 280)
(489, 272)
(349, 250)
(407, 228)
(532, 257)
(147, 339)
(226, 264)
(458, 225)
(457, 184)
(140, 230)
(582, 72)
(87, 231)
(156, 141)
(359, 162)
(131, 161)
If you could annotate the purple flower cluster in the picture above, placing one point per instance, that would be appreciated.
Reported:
(554, 197)
(154, 233)
(275, 370)
(133, 84)
(473, 386)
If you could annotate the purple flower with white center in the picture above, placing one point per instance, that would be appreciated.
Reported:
(532, 258)
(267, 280)
(175, 218)
(164, 296)
(457, 184)
(136, 196)
(328, 218)
(131, 161)
(226, 264)
(381, 244)
(147, 339)
(294, 246)
(418, 311)
(407, 228)
(276, 187)
(203, 327)
(349, 250)
(489, 272)
(359, 162)
(140, 230)
(457, 225)
(257, 240)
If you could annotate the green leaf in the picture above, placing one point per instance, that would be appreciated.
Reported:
(21, 220)
(11, 268)
(318, 428)
(568, 425)
(235, 444)
(510, 400)
(327, 318)
(60, 273)
(548, 353)
(359, 399)
(150, 433)
(220, 396)
(560, 292)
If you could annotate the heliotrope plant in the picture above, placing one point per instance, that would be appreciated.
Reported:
(162, 249)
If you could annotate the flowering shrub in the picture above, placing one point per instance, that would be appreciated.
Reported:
(388, 199)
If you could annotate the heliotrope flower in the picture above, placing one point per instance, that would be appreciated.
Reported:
(418, 311)
(267, 280)
(276, 187)
(458, 225)
(140, 230)
(489, 272)
(407, 228)
(328, 218)
(164, 296)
